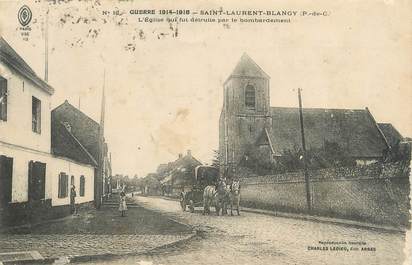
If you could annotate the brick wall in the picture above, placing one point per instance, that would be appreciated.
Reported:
(375, 193)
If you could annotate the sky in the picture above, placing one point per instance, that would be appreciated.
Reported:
(164, 93)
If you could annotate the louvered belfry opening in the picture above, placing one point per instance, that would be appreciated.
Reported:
(250, 96)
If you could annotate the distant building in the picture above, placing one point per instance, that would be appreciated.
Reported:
(34, 180)
(247, 119)
(179, 174)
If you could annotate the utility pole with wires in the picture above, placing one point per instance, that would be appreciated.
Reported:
(99, 181)
(46, 47)
(305, 169)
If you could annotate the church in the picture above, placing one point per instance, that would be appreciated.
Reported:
(247, 120)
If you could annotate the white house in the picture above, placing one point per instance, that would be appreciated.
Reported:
(33, 181)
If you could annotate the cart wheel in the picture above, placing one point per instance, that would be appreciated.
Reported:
(191, 206)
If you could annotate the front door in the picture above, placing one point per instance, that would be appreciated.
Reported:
(37, 176)
(6, 173)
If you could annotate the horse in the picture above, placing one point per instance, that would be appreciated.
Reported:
(222, 197)
(216, 196)
(209, 194)
(235, 196)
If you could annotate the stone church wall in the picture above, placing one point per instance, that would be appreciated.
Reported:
(376, 193)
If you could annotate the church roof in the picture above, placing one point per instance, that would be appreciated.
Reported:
(10, 57)
(392, 135)
(246, 67)
(355, 130)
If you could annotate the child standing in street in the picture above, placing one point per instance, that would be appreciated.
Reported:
(122, 205)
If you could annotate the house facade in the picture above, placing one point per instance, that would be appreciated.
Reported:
(248, 121)
(34, 182)
(178, 175)
(77, 136)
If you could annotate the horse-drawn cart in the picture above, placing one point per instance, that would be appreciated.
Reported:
(203, 177)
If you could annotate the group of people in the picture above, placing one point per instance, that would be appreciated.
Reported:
(122, 202)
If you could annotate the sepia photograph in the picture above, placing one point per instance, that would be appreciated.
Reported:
(205, 132)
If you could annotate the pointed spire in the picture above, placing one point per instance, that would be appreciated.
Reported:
(247, 67)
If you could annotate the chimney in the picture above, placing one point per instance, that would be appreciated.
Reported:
(189, 152)
(180, 155)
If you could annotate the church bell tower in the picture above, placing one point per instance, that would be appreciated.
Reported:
(246, 111)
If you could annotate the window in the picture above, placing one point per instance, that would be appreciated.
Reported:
(72, 180)
(37, 180)
(3, 99)
(36, 115)
(82, 184)
(63, 185)
(250, 96)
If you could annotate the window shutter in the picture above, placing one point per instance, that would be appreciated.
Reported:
(66, 187)
(82, 185)
(60, 195)
(63, 185)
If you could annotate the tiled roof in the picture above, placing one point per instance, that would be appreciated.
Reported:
(10, 57)
(353, 129)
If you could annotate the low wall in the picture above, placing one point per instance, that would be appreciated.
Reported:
(375, 193)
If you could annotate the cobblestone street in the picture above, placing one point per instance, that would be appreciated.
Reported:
(261, 239)
(94, 232)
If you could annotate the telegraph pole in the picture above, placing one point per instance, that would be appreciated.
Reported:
(46, 47)
(99, 181)
(305, 169)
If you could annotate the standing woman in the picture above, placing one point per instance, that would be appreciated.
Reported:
(73, 200)
(122, 205)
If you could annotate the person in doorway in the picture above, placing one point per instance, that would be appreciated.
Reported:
(122, 204)
(73, 200)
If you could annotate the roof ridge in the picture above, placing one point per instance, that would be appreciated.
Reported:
(4, 42)
(66, 102)
(13, 59)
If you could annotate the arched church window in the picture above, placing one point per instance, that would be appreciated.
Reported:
(250, 96)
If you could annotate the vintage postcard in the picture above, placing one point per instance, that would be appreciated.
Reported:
(205, 132)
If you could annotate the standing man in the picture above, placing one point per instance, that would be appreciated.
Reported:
(73, 200)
